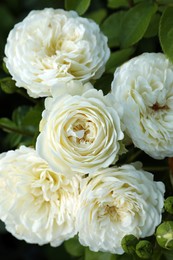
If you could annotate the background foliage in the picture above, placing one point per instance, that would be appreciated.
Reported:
(132, 27)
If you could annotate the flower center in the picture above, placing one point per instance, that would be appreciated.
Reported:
(112, 211)
(82, 132)
(156, 107)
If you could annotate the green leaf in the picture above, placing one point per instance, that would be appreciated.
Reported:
(98, 15)
(8, 85)
(164, 2)
(7, 125)
(33, 117)
(79, 6)
(13, 140)
(117, 3)
(89, 255)
(166, 32)
(153, 27)
(5, 68)
(18, 115)
(117, 58)
(73, 247)
(135, 23)
(112, 28)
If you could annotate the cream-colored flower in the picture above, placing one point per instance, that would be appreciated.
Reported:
(143, 86)
(50, 46)
(36, 204)
(80, 132)
(116, 202)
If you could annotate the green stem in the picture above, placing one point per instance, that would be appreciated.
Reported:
(15, 130)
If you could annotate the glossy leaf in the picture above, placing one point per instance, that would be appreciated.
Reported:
(117, 4)
(5, 68)
(7, 124)
(112, 28)
(79, 6)
(13, 140)
(135, 23)
(89, 255)
(18, 114)
(166, 32)
(117, 58)
(153, 27)
(33, 116)
(73, 247)
(98, 15)
(8, 85)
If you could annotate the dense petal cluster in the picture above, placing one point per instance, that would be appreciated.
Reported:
(69, 184)
(143, 86)
(116, 202)
(81, 133)
(50, 46)
(36, 204)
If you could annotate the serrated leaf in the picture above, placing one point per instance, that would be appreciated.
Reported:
(73, 247)
(135, 23)
(98, 15)
(80, 6)
(153, 27)
(166, 32)
(117, 4)
(8, 85)
(117, 58)
(112, 28)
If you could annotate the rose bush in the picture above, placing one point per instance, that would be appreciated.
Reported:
(116, 202)
(80, 132)
(36, 204)
(50, 46)
(143, 86)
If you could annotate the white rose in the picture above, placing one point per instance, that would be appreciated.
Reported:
(36, 204)
(116, 202)
(143, 86)
(80, 132)
(50, 46)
